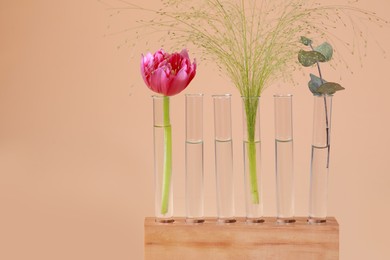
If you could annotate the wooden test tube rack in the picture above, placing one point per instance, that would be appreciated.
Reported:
(268, 240)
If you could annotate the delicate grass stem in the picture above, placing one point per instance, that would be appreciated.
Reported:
(167, 158)
(253, 171)
(251, 106)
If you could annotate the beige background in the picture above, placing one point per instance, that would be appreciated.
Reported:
(76, 138)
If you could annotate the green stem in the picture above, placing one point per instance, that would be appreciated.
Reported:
(326, 114)
(252, 171)
(167, 158)
(251, 111)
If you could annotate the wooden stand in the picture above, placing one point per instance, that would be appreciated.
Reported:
(268, 240)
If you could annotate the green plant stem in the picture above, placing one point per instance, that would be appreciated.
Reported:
(167, 158)
(252, 171)
(251, 110)
(326, 114)
(327, 131)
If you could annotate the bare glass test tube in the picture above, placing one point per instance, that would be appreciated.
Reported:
(284, 158)
(194, 159)
(224, 158)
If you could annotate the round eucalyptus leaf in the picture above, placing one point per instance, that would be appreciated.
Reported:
(329, 88)
(306, 41)
(314, 83)
(309, 58)
(325, 49)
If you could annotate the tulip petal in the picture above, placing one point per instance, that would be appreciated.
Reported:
(179, 82)
(184, 54)
(155, 81)
(160, 81)
(144, 71)
(165, 82)
(192, 71)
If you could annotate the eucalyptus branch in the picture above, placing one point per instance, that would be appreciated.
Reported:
(318, 86)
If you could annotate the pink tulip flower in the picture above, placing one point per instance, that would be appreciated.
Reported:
(167, 74)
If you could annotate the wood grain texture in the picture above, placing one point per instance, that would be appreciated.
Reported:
(268, 240)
